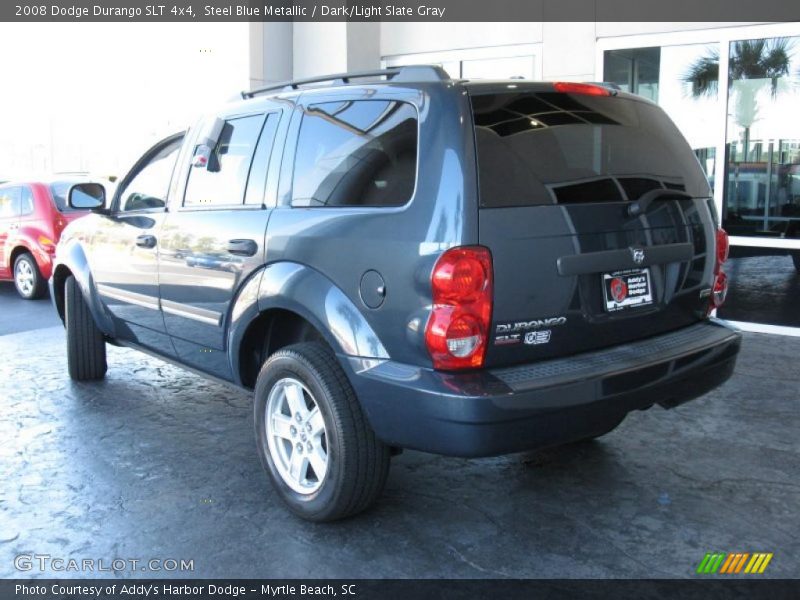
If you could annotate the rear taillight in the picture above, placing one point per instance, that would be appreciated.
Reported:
(47, 244)
(723, 247)
(458, 328)
(720, 289)
(587, 89)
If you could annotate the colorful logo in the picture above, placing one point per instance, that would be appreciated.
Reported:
(619, 289)
(734, 562)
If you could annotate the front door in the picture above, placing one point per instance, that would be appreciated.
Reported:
(9, 223)
(212, 240)
(125, 246)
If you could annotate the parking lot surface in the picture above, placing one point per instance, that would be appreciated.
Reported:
(157, 463)
(18, 315)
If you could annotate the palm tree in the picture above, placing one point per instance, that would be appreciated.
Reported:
(703, 75)
(752, 65)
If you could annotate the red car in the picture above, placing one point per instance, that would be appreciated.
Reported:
(32, 216)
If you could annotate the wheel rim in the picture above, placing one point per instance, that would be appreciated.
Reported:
(296, 436)
(24, 277)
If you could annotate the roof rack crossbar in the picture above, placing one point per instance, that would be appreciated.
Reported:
(409, 73)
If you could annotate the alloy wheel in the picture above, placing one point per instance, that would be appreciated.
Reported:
(24, 277)
(296, 436)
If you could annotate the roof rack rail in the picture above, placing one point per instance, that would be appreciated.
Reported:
(417, 73)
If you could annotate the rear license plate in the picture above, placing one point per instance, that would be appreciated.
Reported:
(627, 289)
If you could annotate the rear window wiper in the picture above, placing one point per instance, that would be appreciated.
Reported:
(641, 205)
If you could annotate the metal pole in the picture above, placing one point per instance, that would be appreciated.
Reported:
(767, 199)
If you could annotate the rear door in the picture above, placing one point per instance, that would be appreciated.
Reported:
(596, 212)
(213, 238)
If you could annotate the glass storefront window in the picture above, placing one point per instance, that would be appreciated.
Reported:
(689, 89)
(758, 177)
(762, 183)
(634, 70)
(683, 82)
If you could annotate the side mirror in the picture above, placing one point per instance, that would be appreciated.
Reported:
(86, 196)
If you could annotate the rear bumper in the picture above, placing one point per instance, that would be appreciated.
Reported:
(547, 403)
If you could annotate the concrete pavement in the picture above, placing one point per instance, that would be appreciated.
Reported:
(155, 462)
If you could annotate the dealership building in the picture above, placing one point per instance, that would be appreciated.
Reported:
(733, 89)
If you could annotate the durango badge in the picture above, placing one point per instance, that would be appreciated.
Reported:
(530, 325)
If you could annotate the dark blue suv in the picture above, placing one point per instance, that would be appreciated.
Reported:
(397, 259)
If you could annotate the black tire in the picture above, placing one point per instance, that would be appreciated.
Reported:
(86, 346)
(35, 286)
(796, 260)
(357, 462)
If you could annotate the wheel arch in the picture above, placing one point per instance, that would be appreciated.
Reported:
(270, 331)
(20, 248)
(289, 303)
(57, 289)
(72, 261)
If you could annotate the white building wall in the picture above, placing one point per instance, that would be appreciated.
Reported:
(282, 51)
(363, 46)
(613, 29)
(271, 53)
(566, 50)
(319, 48)
(410, 38)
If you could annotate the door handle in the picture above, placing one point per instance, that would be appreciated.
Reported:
(242, 247)
(146, 241)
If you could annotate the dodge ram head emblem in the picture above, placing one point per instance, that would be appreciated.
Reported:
(638, 255)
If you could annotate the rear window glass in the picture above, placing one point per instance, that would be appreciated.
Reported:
(552, 148)
(356, 153)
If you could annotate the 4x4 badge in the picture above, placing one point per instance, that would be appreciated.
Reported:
(638, 255)
(538, 337)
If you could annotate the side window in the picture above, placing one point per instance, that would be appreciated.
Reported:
(258, 172)
(9, 202)
(223, 179)
(26, 200)
(356, 153)
(148, 188)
